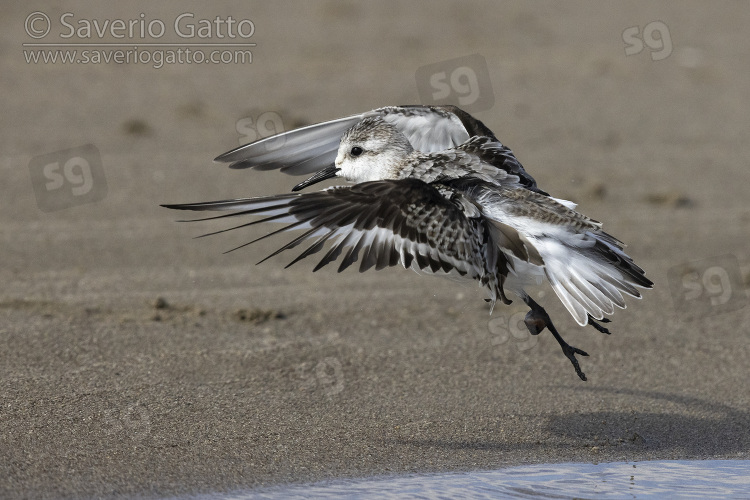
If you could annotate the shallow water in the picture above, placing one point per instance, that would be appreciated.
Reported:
(643, 480)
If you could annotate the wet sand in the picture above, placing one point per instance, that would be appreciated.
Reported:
(138, 362)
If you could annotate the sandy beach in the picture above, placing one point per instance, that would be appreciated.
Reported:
(137, 361)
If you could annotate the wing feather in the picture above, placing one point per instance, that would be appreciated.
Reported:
(429, 129)
(385, 222)
(297, 152)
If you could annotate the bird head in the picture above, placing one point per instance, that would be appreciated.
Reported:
(371, 150)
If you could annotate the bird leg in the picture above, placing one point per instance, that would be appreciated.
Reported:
(598, 326)
(537, 320)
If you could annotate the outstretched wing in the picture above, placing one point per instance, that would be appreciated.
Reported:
(429, 128)
(297, 152)
(308, 149)
(394, 221)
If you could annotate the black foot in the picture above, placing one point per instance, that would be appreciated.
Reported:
(598, 326)
(537, 320)
(570, 352)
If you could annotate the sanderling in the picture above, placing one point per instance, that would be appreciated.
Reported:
(466, 208)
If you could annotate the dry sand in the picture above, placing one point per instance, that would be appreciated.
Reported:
(135, 361)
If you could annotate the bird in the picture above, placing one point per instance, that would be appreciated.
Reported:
(431, 188)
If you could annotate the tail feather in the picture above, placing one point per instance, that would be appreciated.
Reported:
(590, 280)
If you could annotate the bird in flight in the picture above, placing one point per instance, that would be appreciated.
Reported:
(434, 190)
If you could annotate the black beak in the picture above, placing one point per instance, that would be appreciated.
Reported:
(318, 176)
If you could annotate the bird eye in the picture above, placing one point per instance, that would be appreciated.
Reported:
(356, 151)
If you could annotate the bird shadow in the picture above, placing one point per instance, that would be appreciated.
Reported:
(684, 426)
